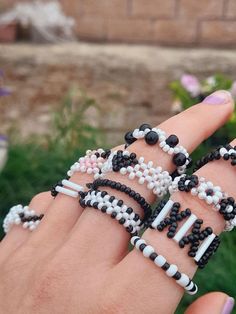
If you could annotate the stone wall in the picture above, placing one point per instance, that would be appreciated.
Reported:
(130, 83)
(165, 22)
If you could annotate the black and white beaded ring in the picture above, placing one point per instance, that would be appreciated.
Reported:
(171, 270)
(227, 153)
(212, 195)
(125, 189)
(129, 164)
(91, 163)
(110, 205)
(67, 187)
(202, 241)
(21, 215)
(168, 144)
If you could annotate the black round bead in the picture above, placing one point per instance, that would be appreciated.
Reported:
(179, 159)
(172, 140)
(144, 127)
(129, 138)
(151, 138)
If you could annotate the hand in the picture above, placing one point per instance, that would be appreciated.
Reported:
(77, 261)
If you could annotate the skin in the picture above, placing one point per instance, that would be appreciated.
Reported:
(77, 261)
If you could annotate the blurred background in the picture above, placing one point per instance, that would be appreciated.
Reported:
(77, 74)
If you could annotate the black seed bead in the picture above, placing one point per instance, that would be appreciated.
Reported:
(120, 203)
(144, 126)
(142, 246)
(181, 244)
(153, 256)
(170, 234)
(104, 209)
(151, 138)
(122, 221)
(191, 254)
(166, 266)
(172, 140)
(179, 159)
(129, 210)
(113, 215)
(177, 275)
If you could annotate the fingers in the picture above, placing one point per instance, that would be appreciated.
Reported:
(214, 302)
(106, 239)
(17, 235)
(138, 266)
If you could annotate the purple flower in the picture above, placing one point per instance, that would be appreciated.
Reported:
(191, 84)
(4, 91)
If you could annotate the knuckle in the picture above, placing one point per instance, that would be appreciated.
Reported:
(39, 198)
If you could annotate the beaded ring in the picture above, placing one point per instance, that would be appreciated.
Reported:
(171, 270)
(125, 189)
(212, 195)
(127, 163)
(227, 153)
(21, 215)
(91, 163)
(203, 243)
(168, 144)
(60, 188)
(108, 204)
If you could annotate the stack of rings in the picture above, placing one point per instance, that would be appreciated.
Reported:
(171, 270)
(125, 189)
(110, 205)
(168, 144)
(203, 242)
(21, 215)
(127, 163)
(212, 195)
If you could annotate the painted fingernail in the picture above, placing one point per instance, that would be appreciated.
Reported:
(228, 307)
(218, 98)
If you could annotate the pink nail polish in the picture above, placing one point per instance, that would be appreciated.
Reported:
(228, 307)
(217, 98)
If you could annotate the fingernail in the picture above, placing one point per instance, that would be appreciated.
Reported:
(218, 98)
(228, 307)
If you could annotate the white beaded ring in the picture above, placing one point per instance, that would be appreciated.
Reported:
(204, 190)
(171, 270)
(156, 179)
(19, 215)
(169, 144)
(91, 163)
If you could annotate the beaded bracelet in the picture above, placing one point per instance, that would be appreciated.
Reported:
(60, 188)
(108, 204)
(227, 153)
(168, 144)
(212, 195)
(125, 189)
(125, 162)
(21, 215)
(203, 243)
(171, 270)
(91, 163)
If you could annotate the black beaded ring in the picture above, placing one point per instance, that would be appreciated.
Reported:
(203, 243)
(168, 144)
(226, 152)
(125, 189)
(110, 205)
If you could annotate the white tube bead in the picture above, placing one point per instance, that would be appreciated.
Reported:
(148, 250)
(72, 185)
(185, 227)
(171, 270)
(164, 212)
(67, 192)
(204, 246)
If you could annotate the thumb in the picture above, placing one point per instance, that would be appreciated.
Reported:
(212, 303)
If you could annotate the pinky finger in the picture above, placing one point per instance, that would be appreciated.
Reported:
(18, 235)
